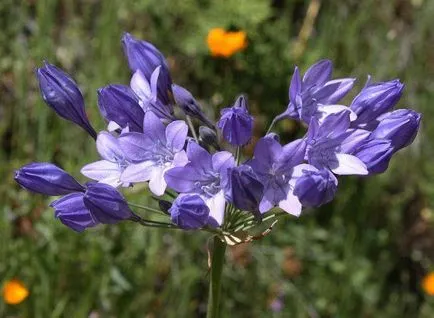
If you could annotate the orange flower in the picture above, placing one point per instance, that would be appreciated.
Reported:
(225, 43)
(14, 292)
(428, 284)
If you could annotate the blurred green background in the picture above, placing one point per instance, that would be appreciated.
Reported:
(364, 255)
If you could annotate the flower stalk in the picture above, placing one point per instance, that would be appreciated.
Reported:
(217, 262)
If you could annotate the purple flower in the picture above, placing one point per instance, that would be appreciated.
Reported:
(326, 145)
(400, 127)
(72, 212)
(316, 94)
(315, 187)
(118, 104)
(61, 93)
(236, 123)
(205, 175)
(375, 154)
(185, 100)
(245, 189)
(46, 178)
(374, 100)
(275, 165)
(114, 162)
(189, 212)
(154, 152)
(147, 93)
(145, 57)
(106, 204)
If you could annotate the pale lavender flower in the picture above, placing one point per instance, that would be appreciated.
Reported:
(275, 167)
(154, 152)
(147, 94)
(326, 148)
(113, 163)
(205, 175)
(316, 95)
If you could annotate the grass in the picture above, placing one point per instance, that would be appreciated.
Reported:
(362, 255)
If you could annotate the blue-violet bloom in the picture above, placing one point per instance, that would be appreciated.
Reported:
(205, 175)
(154, 152)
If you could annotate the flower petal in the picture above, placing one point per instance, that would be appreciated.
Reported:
(176, 133)
(349, 164)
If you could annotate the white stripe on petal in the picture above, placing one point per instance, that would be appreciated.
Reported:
(349, 164)
(216, 205)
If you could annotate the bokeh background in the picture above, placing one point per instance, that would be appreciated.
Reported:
(364, 255)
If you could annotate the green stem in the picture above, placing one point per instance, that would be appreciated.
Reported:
(217, 261)
(146, 208)
(191, 126)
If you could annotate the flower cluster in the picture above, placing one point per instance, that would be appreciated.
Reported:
(200, 185)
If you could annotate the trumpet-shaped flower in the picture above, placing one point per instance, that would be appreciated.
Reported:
(316, 95)
(154, 152)
(205, 175)
(326, 145)
(113, 163)
(275, 166)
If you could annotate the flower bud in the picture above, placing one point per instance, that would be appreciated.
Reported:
(61, 93)
(118, 103)
(315, 187)
(246, 190)
(376, 99)
(46, 178)
(106, 204)
(236, 123)
(185, 100)
(145, 57)
(72, 212)
(189, 212)
(208, 136)
(375, 154)
(400, 127)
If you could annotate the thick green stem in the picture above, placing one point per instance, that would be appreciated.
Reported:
(217, 261)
